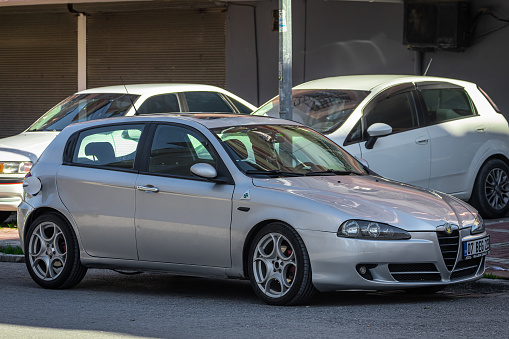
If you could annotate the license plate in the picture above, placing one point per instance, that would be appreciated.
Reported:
(476, 248)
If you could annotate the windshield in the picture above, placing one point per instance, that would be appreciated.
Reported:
(84, 107)
(278, 150)
(323, 110)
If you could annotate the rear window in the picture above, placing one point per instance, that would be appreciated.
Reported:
(493, 104)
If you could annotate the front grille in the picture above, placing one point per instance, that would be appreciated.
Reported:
(466, 268)
(449, 245)
(414, 272)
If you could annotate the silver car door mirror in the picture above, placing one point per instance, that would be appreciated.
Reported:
(204, 170)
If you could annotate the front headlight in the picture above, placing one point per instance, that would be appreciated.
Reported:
(15, 167)
(361, 229)
(478, 225)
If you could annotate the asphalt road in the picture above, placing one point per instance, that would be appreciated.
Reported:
(107, 305)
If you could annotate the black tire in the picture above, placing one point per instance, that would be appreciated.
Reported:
(51, 238)
(4, 215)
(289, 268)
(491, 189)
(425, 290)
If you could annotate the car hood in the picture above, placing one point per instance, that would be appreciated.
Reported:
(25, 146)
(378, 199)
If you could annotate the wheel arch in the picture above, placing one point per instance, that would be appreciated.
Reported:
(41, 211)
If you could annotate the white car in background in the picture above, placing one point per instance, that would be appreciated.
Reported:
(19, 152)
(436, 133)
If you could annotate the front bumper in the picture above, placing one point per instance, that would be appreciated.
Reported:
(390, 264)
(11, 193)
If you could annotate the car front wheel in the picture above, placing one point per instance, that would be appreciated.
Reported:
(279, 267)
(491, 189)
(52, 253)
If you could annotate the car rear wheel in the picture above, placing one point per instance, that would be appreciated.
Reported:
(491, 189)
(52, 253)
(279, 266)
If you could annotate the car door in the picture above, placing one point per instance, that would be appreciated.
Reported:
(403, 155)
(181, 218)
(96, 185)
(458, 134)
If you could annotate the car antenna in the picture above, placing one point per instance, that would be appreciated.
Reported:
(429, 64)
(132, 102)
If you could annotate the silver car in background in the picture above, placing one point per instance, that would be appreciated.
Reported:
(237, 196)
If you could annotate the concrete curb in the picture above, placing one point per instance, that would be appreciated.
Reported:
(16, 258)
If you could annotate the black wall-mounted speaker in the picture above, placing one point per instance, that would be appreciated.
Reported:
(437, 24)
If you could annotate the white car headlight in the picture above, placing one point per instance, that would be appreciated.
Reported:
(362, 229)
(15, 167)
(478, 225)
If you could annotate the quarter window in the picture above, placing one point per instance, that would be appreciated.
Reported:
(175, 149)
(443, 104)
(110, 146)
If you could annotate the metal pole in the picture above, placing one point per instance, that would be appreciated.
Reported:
(285, 59)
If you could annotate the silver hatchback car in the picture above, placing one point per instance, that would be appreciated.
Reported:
(237, 196)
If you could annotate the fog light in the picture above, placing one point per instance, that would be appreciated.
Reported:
(364, 270)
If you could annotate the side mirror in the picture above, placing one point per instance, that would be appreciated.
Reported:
(376, 131)
(203, 170)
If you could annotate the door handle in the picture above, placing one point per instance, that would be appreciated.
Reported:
(480, 129)
(148, 188)
(421, 141)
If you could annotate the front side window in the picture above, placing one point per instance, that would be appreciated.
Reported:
(396, 110)
(209, 102)
(323, 110)
(175, 149)
(443, 104)
(109, 146)
(285, 151)
(84, 107)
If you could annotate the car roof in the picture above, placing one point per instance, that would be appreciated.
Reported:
(209, 120)
(368, 82)
(141, 89)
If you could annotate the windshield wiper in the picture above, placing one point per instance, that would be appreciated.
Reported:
(277, 173)
(331, 172)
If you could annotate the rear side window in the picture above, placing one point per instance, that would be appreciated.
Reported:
(109, 146)
(209, 102)
(444, 104)
(163, 103)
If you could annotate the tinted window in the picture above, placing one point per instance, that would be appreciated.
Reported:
(175, 149)
(241, 107)
(164, 103)
(396, 110)
(84, 107)
(447, 104)
(110, 146)
(206, 102)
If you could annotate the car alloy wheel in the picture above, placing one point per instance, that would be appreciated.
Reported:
(52, 253)
(491, 190)
(497, 188)
(47, 251)
(279, 267)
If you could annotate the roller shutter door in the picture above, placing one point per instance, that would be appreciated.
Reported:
(184, 45)
(38, 66)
